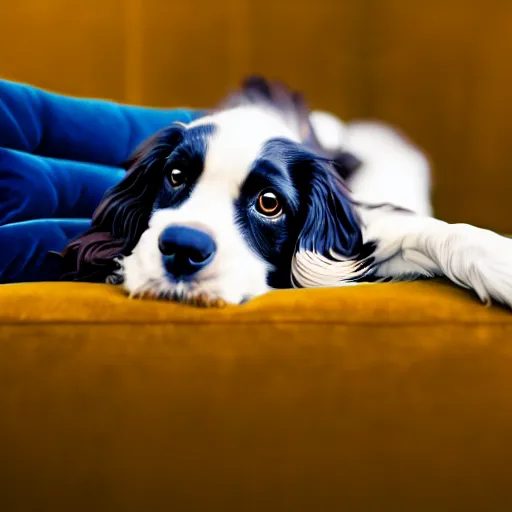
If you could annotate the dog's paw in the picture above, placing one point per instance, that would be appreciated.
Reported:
(117, 277)
(482, 260)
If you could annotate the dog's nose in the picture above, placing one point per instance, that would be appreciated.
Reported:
(185, 250)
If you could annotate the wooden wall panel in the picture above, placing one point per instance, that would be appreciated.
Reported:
(442, 72)
(186, 56)
(438, 69)
(74, 47)
(314, 46)
(196, 62)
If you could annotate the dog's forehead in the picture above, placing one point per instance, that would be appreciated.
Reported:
(237, 141)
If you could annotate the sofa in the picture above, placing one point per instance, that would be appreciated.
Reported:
(376, 397)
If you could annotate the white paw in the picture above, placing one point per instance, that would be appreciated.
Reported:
(481, 260)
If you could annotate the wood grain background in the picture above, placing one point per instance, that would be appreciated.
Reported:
(441, 70)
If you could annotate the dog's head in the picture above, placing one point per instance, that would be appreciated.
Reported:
(224, 207)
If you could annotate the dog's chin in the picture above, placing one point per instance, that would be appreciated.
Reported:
(208, 292)
(194, 294)
(183, 292)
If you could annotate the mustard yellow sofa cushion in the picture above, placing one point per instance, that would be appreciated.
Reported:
(377, 397)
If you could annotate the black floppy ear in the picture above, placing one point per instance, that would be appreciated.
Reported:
(330, 243)
(123, 214)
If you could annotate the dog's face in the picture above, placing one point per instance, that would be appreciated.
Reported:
(223, 208)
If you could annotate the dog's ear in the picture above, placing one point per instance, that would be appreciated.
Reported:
(330, 242)
(123, 214)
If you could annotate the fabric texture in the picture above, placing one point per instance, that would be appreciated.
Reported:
(29, 249)
(378, 397)
(58, 156)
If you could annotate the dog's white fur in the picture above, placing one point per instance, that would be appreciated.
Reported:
(393, 171)
(471, 257)
(396, 172)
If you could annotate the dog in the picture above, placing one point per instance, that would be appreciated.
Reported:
(262, 193)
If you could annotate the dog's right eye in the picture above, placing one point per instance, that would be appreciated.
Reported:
(177, 178)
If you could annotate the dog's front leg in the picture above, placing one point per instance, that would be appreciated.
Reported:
(409, 246)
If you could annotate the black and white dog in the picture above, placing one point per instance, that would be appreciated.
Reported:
(256, 196)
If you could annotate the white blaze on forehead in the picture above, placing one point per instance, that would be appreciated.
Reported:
(237, 142)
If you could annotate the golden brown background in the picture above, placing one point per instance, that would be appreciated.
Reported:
(439, 69)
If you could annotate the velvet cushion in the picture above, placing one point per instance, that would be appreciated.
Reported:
(28, 249)
(85, 130)
(34, 187)
(378, 397)
(58, 156)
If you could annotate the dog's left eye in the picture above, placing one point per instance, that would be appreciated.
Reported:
(269, 205)
(177, 178)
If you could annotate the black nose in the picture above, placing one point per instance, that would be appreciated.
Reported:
(185, 250)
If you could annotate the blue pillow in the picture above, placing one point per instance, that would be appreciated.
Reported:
(58, 156)
(30, 249)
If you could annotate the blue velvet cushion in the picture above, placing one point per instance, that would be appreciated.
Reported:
(58, 156)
